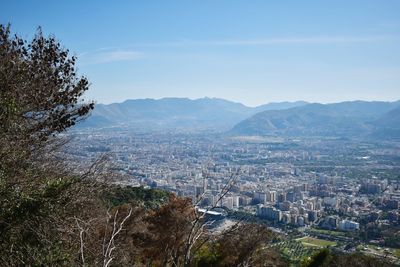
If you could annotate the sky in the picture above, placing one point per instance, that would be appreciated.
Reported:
(253, 52)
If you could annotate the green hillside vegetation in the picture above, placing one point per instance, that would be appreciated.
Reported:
(150, 198)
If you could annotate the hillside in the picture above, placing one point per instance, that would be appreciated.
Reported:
(356, 118)
(388, 125)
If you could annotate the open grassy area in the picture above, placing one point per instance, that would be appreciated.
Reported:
(315, 242)
(327, 232)
(295, 251)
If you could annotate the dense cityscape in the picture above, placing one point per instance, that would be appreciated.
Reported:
(344, 192)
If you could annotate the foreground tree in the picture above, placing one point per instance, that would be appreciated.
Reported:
(40, 96)
(167, 230)
(40, 89)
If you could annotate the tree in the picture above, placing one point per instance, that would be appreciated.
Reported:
(246, 245)
(168, 227)
(40, 96)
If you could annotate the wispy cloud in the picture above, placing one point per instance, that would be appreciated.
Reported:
(130, 53)
(106, 55)
(277, 41)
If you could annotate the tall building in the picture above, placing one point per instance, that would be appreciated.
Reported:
(261, 197)
(271, 196)
(236, 201)
(269, 213)
(370, 188)
(347, 225)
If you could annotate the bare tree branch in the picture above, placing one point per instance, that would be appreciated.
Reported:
(198, 225)
(108, 258)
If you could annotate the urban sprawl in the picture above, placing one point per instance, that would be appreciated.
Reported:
(344, 191)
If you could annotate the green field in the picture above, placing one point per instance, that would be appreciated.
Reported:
(295, 251)
(327, 232)
(315, 242)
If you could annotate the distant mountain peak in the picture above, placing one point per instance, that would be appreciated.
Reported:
(344, 119)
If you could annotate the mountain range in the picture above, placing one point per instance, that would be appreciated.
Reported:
(177, 113)
(376, 119)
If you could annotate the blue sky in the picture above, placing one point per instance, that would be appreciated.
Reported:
(252, 52)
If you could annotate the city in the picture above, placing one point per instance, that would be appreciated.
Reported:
(344, 191)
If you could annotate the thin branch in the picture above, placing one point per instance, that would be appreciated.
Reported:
(81, 231)
(111, 243)
(198, 224)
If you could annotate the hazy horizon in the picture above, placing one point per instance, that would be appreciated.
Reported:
(237, 101)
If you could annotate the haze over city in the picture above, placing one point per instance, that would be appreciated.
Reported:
(253, 53)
